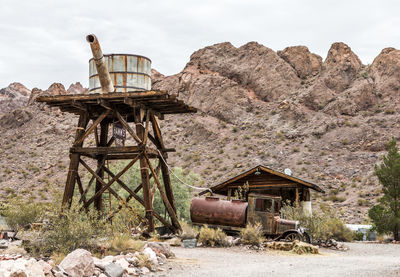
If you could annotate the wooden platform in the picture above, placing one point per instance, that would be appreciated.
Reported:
(159, 102)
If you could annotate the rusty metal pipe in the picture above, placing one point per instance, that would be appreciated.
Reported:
(101, 65)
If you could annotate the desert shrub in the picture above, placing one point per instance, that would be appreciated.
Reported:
(144, 261)
(321, 225)
(20, 213)
(69, 231)
(124, 242)
(188, 231)
(212, 237)
(125, 219)
(358, 236)
(252, 234)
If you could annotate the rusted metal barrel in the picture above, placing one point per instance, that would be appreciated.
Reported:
(98, 62)
(211, 210)
(128, 73)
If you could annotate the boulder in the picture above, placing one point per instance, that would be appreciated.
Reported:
(144, 270)
(18, 273)
(78, 263)
(151, 255)
(21, 267)
(161, 247)
(45, 267)
(162, 259)
(113, 270)
(123, 263)
(174, 242)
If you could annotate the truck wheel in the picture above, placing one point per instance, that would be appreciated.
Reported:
(292, 237)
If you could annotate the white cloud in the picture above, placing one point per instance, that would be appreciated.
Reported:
(44, 41)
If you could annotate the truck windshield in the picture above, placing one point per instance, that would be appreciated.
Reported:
(263, 205)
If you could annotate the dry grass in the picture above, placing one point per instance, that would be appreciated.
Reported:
(124, 242)
(212, 237)
(252, 234)
(188, 231)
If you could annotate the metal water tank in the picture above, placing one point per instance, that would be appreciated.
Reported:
(128, 73)
(211, 210)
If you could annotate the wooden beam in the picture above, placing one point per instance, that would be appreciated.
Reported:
(96, 137)
(106, 186)
(146, 132)
(171, 211)
(74, 163)
(80, 187)
(110, 142)
(98, 203)
(167, 183)
(139, 187)
(109, 96)
(153, 189)
(128, 128)
(91, 128)
(145, 177)
(104, 103)
(102, 150)
(140, 200)
(157, 132)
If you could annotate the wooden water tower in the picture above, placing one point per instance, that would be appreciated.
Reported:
(120, 97)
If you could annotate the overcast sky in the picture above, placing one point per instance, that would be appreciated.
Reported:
(43, 41)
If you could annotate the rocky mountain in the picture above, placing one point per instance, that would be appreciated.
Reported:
(327, 120)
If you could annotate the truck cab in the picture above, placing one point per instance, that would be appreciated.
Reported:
(264, 209)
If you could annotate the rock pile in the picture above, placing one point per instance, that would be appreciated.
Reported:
(81, 263)
(334, 245)
(296, 246)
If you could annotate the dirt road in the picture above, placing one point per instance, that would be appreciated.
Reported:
(360, 260)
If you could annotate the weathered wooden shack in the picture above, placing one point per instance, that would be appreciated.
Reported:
(264, 180)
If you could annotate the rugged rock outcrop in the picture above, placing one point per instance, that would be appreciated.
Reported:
(339, 70)
(253, 66)
(385, 70)
(302, 60)
(12, 97)
(77, 88)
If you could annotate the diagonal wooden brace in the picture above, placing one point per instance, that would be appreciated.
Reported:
(171, 212)
(92, 127)
(106, 186)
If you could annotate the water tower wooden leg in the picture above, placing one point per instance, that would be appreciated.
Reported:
(144, 170)
(167, 184)
(164, 168)
(98, 203)
(74, 163)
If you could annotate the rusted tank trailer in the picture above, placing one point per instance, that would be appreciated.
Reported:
(234, 215)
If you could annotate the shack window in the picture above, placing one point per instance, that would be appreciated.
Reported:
(263, 205)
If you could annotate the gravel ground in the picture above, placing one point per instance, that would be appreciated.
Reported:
(361, 260)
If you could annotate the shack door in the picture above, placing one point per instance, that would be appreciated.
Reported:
(264, 213)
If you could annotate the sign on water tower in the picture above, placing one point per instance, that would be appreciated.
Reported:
(119, 133)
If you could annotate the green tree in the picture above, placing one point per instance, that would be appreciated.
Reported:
(386, 215)
(182, 193)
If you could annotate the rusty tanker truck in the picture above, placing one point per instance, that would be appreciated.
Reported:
(232, 216)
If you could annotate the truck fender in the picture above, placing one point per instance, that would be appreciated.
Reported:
(294, 233)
